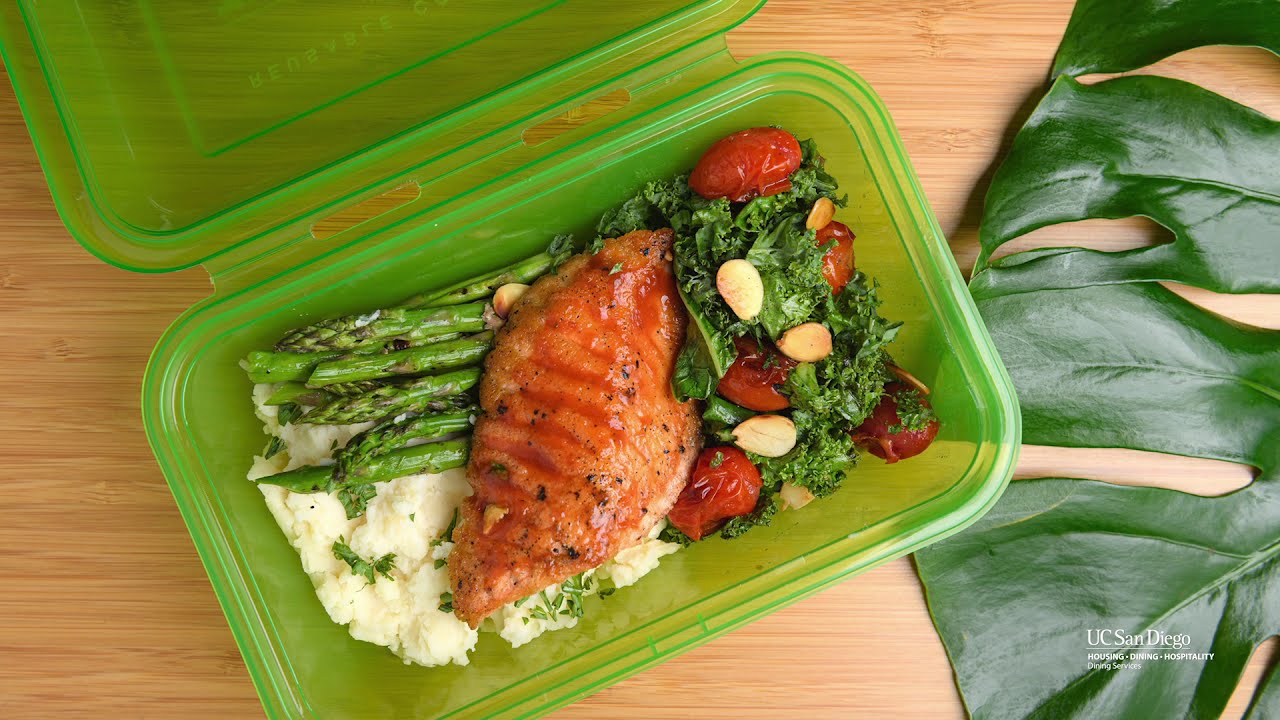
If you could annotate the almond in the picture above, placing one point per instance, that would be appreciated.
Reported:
(795, 496)
(493, 514)
(821, 215)
(506, 296)
(740, 285)
(809, 342)
(767, 435)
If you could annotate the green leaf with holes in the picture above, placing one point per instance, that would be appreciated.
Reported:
(1015, 596)
(1042, 603)
(1206, 168)
(1106, 36)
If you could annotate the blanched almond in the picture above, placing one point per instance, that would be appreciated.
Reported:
(492, 515)
(795, 496)
(767, 435)
(821, 215)
(809, 342)
(506, 296)
(739, 284)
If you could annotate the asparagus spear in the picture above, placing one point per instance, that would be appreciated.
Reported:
(296, 392)
(476, 288)
(265, 366)
(431, 457)
(374, 330)
(411, 361)
(393, 435)
(388, 399)
(354, 389)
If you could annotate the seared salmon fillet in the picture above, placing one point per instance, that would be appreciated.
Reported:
(580, 448)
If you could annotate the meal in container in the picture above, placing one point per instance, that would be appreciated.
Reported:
(487, 456)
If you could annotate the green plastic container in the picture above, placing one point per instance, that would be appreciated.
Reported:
(220, 132)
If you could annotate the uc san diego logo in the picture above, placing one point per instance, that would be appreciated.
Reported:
(1151, 639)
(1117, 649)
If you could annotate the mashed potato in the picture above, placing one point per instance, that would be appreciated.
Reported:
(405, 517)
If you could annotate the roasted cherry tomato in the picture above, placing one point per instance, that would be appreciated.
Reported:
(747, 164)
(753, 380)
(837, 264)
(724, 485)
(873, 434)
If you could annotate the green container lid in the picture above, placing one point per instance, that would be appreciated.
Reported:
(228, 132)
(172, 132)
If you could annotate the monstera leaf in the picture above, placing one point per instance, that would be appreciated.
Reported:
(1080, 599)
(1204, 167)
(1015, 596)
(1120, 35)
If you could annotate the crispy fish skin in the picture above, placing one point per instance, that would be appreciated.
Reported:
(580, 448)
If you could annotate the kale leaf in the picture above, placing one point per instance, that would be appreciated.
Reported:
(844, 388)
(673, 534)
(766, 507)
(913, 414)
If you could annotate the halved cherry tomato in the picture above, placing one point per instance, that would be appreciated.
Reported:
(724, 485)
(753, 380)
(873, 434)
(747, 164)
(837, 264)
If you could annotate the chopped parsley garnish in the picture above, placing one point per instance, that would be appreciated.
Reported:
(560, 249)
(448, 532)
(287, 413)
(441, 562)
(717, 460)
(274, 446)
(359, 566)
(355, 499)
(545, 610)
(566, 603)
(446, 602)
(572, 591)
(616, 269)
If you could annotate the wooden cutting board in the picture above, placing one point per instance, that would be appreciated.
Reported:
(105, 610)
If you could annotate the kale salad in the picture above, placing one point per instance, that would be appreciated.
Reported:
(786, 346)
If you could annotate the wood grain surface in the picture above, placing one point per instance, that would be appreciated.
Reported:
(105, 610)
